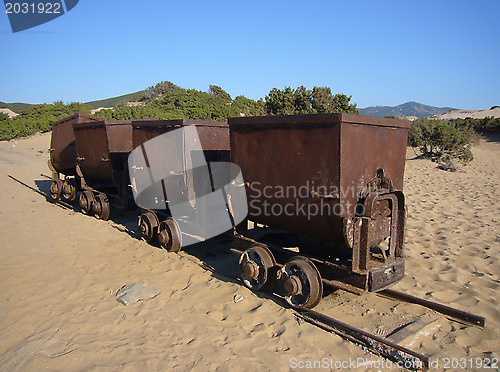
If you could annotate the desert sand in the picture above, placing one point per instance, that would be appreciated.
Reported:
(60, 271)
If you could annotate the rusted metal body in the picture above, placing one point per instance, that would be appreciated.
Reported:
(157, 223)
(103, 148)
(214, 135)
(62, 143)
(63, 156)
(333, 180)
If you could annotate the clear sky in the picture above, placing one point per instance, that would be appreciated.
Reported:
(440, 53)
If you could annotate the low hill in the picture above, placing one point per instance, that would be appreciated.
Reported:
(113, 101)
(406, 109)
(17, 107)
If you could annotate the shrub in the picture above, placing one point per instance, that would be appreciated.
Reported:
(304, 101)
(38, 118)
(440, 138)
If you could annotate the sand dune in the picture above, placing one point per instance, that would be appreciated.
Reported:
(8, 112)
(60, 271)
(93, 111)
(475, 114)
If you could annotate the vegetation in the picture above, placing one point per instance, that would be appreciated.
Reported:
(134, 112)
(38, 118)
(3, 117)
(166, 100)
(16, 107)
(437, 139)
(112, 102)
(303, 101)
(450, 139)
(486, 125)
(440, 139)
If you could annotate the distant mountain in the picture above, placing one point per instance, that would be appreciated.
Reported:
(113, 101)
(16, 107)
(406, 109)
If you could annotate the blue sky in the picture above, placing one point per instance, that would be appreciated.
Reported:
(440, 53)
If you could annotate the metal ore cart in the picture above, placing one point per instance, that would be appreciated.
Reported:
(62, 162)
(331, 185)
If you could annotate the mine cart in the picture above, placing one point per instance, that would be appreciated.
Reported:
(103, 149)
(177, 167)
(329, 186)
(63, 157)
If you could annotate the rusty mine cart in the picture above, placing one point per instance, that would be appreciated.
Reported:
(331, 185)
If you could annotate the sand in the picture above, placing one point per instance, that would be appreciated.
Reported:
(60, 271)
(93, 111)
(9, 112)
(475, 114)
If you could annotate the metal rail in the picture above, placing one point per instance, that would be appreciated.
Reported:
(451, 312)
(405, 357)
(408, 358)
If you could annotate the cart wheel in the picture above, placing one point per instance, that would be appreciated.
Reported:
(148, 226)
(69, 189)
(301, 283)
(56, 188)
(86, 200)
(170, 236)
(258, 268)
(100, 206)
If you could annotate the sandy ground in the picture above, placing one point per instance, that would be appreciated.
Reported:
(462, 114)
(93, 111)
(60, 270)
(8, 112)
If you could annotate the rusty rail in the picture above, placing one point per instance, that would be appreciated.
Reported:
(451, 312)
(378, 345)
(408, 358)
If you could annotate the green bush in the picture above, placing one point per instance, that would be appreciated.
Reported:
(438, 138)
(163, 101)
(304, 101)
(38, 118)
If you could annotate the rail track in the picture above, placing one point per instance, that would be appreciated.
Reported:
(378, 345)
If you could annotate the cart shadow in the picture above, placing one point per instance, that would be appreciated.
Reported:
(491, 137)
(122, 220)
(213, 255)
(43, 186)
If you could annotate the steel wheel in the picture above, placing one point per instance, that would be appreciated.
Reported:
(258, 268)
(56, 188)
(301, 283)
(69, 189)
(170, 236)
(100, 206)
(86, 200)
(148, 226)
